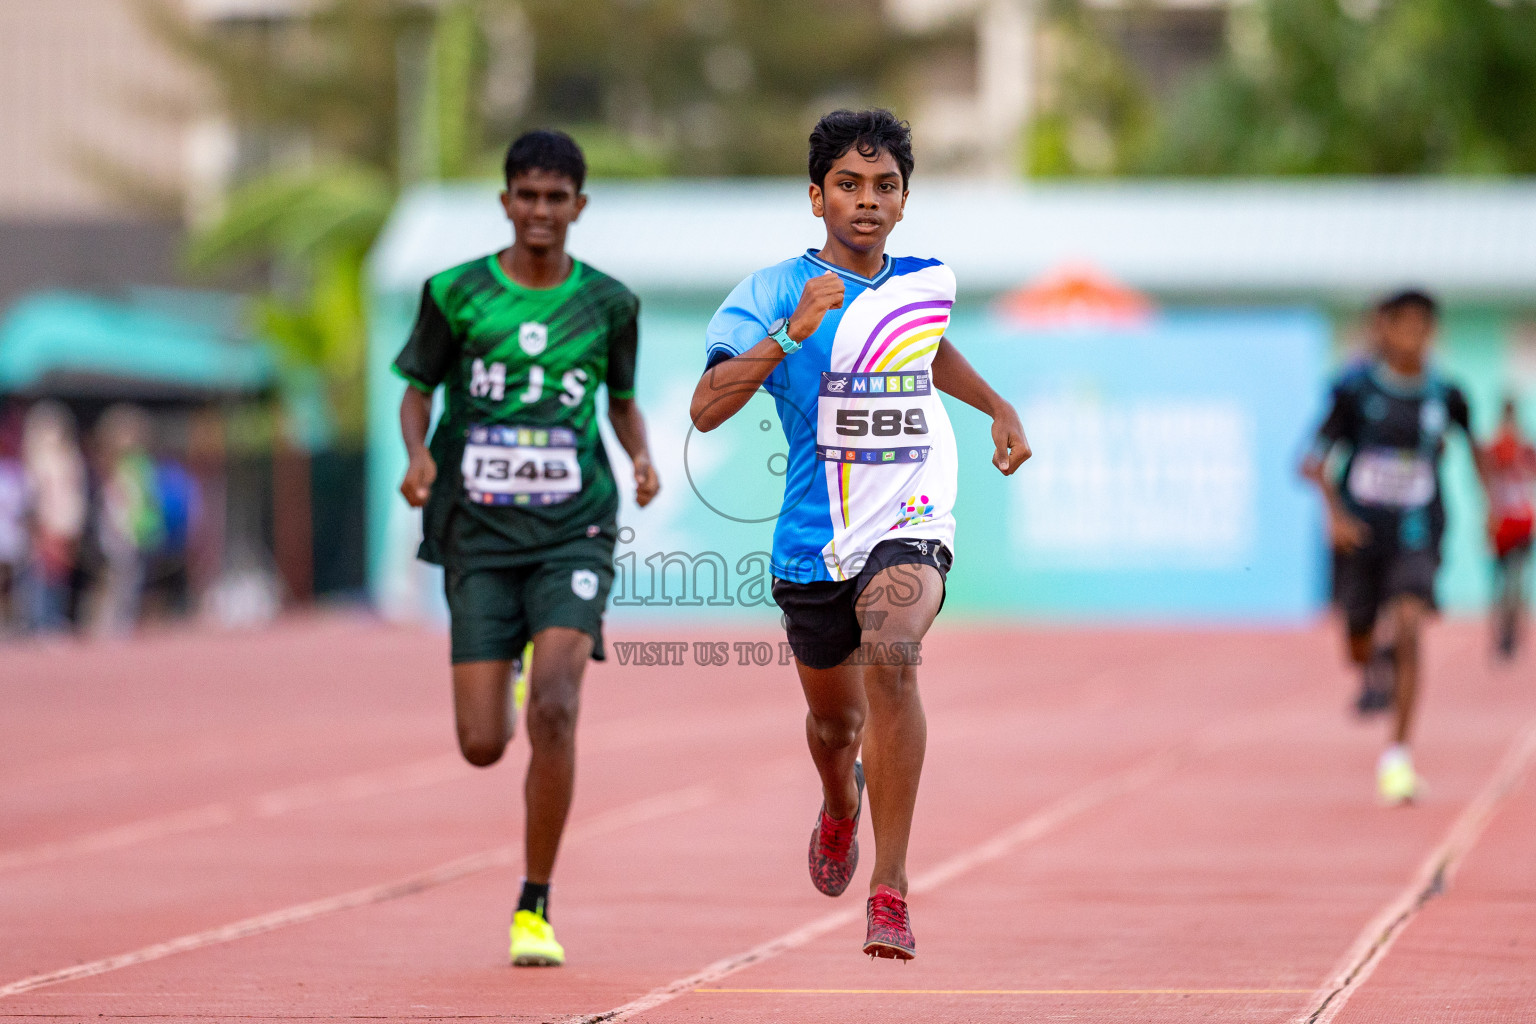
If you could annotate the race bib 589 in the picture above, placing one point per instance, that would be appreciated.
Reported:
(873, 418)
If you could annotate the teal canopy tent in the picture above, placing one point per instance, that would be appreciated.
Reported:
(67, 345)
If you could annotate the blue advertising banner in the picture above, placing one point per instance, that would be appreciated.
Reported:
(1163, 485)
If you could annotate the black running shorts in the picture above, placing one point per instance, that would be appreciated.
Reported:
(820, 619)
(1370, 577)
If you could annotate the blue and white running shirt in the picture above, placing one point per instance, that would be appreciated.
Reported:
(871, 452)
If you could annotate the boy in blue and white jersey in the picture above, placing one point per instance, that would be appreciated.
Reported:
(867, 433)
(851, 344)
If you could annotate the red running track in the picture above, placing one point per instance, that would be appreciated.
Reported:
(1114, 826)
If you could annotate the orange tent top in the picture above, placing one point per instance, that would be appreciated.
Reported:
(1075, 296)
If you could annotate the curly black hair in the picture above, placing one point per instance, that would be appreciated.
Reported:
(868, 131)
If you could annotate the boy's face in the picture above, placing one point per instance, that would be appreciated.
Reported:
(861, 199)
(541, 205)
(1405, 335)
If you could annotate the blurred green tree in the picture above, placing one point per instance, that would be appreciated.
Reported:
(1095, 114)
(703, 87)
(1362, 87)
(333, 113)
(1306, 87)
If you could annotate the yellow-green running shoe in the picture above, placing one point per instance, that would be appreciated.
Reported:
(519, 689)
(1396, 781)
(533, 941)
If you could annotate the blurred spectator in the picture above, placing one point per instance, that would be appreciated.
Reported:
(54, 476)
(1510, 472)
(130, 525)
(13, 527)
(168, 586)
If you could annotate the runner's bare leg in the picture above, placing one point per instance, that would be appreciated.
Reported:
(1409, 614)
(834, 725)
(896, 609)
(481, 692)
(554, 700)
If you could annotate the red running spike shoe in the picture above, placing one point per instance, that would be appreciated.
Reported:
(834, 850)
(890, 930)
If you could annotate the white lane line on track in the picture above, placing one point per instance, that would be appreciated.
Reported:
(1033, 828)
(635, 813)
(427, 772)
(271, 804)
(1434, 875)
(207, 816)
(613, 735)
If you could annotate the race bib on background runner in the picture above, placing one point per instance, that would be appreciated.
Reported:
(873, 419)
(1392, 478)
(520, 465)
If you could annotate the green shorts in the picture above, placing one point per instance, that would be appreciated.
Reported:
(495, 612)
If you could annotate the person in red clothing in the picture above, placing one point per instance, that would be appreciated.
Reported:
(1511, 473)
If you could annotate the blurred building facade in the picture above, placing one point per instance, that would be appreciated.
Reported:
(78, 76)
(70, 71)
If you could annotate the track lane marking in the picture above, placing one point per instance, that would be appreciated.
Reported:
(1011, 991)
(1434, 875)
(637, 812)
(611, 735)
(238, 745)
(271, 804)
(119, 836)
(1031, 829)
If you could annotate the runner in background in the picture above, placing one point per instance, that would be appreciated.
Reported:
(1388, 418)
(1510, 465)
(519, 501)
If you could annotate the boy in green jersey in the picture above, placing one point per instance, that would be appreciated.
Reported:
(519, 501)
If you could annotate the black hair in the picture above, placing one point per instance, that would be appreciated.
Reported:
(1409, 298)
(868, 131)
(546, 150)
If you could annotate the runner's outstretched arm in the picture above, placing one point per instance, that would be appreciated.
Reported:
(726, 386)
(629, 428)
(415, 414)
(1461, 415)
(1344, 530)
(953, 375)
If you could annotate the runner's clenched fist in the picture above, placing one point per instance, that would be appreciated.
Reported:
(819, 295)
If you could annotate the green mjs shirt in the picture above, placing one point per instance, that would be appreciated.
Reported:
(520, 463)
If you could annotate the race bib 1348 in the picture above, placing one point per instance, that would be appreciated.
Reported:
(520, 465)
